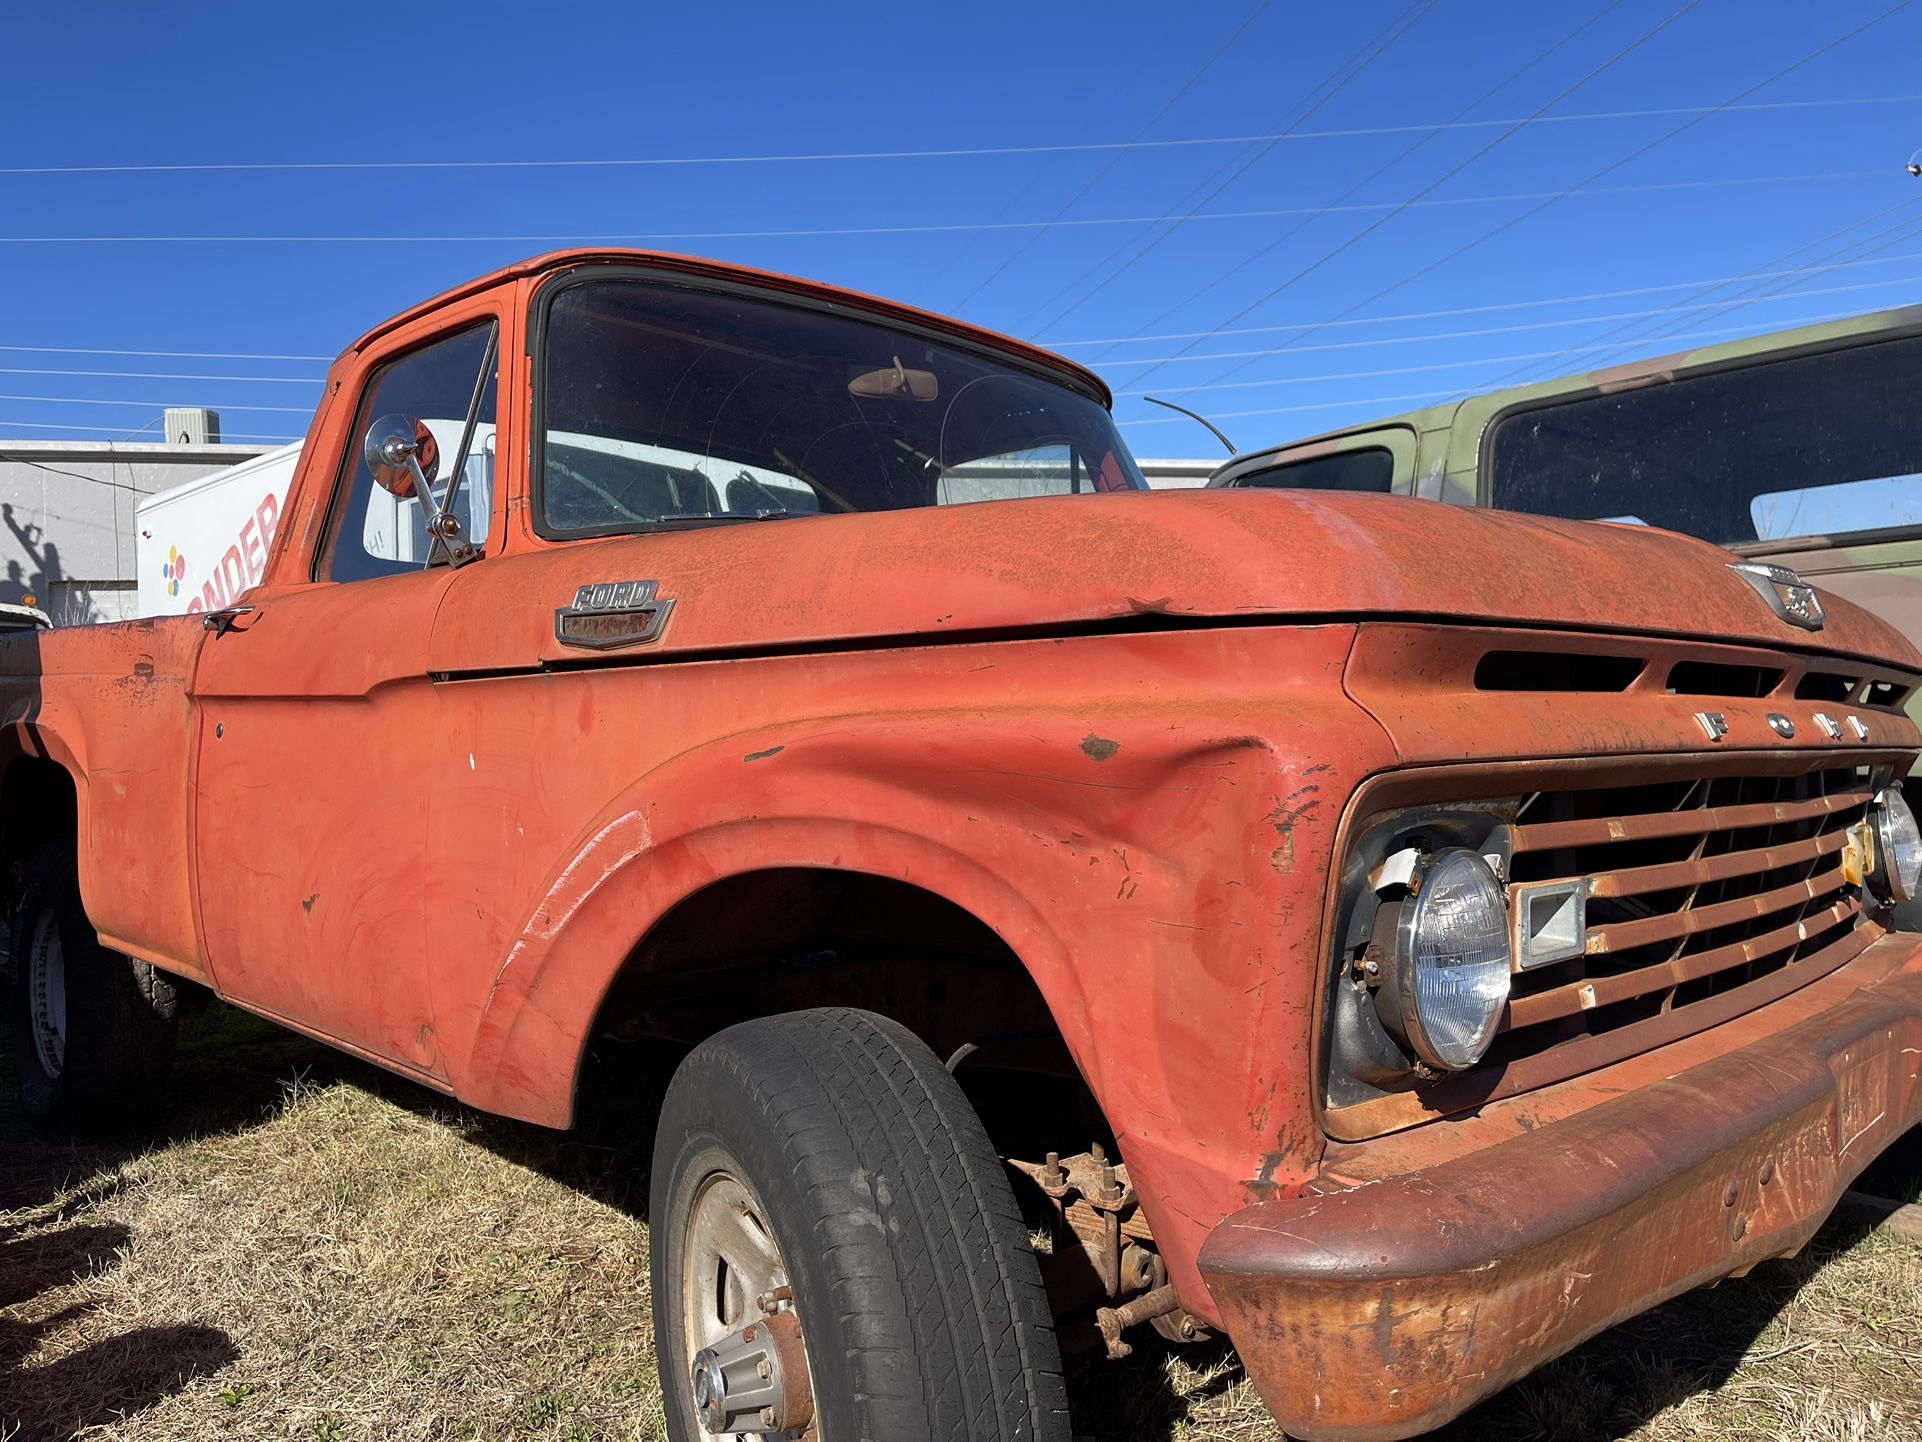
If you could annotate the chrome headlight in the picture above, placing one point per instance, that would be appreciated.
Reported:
(1897, 875)
(1445, 957)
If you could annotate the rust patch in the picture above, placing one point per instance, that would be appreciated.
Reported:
(1099, 748)
(762, 755)
(308, 905)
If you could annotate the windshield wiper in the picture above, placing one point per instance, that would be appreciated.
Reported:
(683, 517)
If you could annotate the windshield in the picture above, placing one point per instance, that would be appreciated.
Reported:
(663, 404)
(1803, 446)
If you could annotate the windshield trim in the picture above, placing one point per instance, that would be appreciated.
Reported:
(559, 283)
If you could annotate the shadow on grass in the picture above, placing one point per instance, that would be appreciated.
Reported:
(235, 1072)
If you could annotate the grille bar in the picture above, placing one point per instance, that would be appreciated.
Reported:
(1577, 997)
(1626, 935)
(1696, 886)
(1672, 875)
(1654, 826)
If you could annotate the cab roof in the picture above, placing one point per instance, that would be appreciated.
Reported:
(560, 260)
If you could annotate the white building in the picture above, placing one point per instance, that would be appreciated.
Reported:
(67, 526)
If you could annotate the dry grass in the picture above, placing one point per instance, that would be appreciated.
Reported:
(315, 1251)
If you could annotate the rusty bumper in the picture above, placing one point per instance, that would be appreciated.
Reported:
(1385, 1310)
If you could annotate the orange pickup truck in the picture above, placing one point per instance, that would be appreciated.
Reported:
(1405, 938)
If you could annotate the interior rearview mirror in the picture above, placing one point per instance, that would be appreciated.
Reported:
(399, 448)
(897, 381)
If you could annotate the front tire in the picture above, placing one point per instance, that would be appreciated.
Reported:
(93, 1030)
(829, 1153)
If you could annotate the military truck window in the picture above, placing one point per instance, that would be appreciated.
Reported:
(1804, 446)
(1372, 469)
(664, 405)
(372, 532)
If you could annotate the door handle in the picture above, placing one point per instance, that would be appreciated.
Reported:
(222, 621)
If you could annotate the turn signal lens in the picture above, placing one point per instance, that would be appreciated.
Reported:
(1898, 848)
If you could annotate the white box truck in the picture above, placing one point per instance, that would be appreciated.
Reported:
(199, 545)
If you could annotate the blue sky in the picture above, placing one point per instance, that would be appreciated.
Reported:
(1814, 188)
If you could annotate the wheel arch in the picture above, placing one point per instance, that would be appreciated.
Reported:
(614, 917)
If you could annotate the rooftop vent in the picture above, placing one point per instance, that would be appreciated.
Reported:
(192, 426)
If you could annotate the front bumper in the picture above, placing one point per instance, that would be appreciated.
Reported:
(1386, 1309)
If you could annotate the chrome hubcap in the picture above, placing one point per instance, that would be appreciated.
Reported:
(46, 980)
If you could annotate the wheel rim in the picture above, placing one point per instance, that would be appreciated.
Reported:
(729, 1262)
(47, 994)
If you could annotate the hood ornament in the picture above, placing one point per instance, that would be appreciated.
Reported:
(1787, 594)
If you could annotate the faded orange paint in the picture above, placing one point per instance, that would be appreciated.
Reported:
(1121, 730)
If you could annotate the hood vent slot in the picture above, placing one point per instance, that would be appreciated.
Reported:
(1556, 671)
(1826, 686)
(1715, 678)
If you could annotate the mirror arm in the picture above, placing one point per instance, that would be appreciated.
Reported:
(463, 553)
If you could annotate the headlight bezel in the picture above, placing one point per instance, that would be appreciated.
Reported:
(1886, 878)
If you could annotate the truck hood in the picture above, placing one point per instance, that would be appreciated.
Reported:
(1078, 561)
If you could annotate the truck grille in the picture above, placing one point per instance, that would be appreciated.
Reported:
(1707, 895)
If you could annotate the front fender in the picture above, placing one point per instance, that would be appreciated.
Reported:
(1157, 860)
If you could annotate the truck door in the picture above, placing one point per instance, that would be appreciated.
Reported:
(317, 723)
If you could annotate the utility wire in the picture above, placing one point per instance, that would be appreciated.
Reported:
(1444, 314)
(1633, 334)
(1183, 217)
(1116, 157)
(1466, 309)
(945, 154)
(1369, 176)
(1446, 365)
(1620, 55)
(161, 376)
(1606, 170)
(1290, 121)
(157, 405)
(95, 430)
(176, 354)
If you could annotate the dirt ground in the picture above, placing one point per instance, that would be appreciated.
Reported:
(314, 1250)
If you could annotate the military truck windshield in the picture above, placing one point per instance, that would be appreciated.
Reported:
(1805, 446)
(667, 405)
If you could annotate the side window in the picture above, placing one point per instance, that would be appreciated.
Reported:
(1372, 469)
(372, 532)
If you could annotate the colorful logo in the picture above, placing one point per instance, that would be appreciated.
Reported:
(175, 570)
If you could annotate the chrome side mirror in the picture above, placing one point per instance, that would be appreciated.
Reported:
(403, 457)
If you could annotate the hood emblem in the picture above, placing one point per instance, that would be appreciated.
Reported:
(1787, 594)
(608, 614)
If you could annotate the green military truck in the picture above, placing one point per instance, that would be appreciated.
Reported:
(1802, 449)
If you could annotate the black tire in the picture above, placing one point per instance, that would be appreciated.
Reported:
(919, 1298)
(118, 1044)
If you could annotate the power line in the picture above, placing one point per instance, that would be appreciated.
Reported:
(1370, 176)
(1115, 158)
(47, 426)
(1447, 365)
(1608, 169)
(1290, 120)
(1468, 309)
(1455, 393)
(1507, 304)
(575, 237)
(965, 152)
(1634, 332)
(160, 376)
(177, 354)
(155, 405)
(1457, 169)
(1184, 217)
